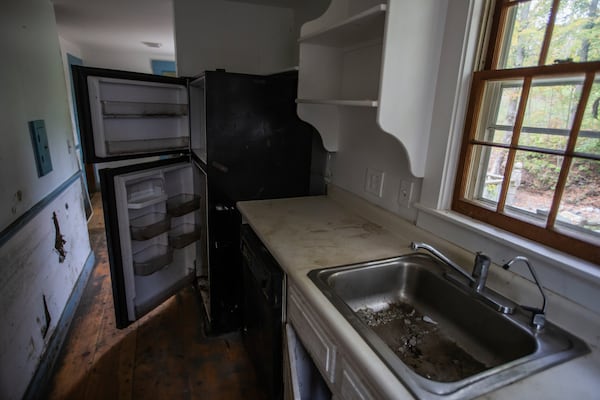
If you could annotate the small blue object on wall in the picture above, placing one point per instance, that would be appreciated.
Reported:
(163, 67)
(41, 151)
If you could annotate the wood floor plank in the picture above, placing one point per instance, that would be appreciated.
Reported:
(165, 355)
(125, 367)
(160, 371)
(73, 366)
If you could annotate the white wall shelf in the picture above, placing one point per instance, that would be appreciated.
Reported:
(340, 65)
(375, 55)
(367, 25)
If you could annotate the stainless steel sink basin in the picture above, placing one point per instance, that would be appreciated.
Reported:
(436, 336)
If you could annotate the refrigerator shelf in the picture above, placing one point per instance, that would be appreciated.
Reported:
(121, 147)
(129, 109)
(152, 259)
(184, 235)
(145, 193)
(149, 225)
(182, 204)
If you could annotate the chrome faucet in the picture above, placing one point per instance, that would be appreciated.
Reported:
(476, 281)
(419, 245)
(538, 319)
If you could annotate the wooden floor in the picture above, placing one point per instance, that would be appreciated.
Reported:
(165, 355)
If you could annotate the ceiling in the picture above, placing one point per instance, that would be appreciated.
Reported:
(117, 24)
(125, 24)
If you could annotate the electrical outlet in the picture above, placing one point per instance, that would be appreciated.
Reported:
(405, 194)
(374, 182)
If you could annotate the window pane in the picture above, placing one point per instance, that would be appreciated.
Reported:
(532, 186)
(580, 206)
(486, 175)
(524, 34)
(501, 101)
(576, 34)
(550, 111)
(588, 140)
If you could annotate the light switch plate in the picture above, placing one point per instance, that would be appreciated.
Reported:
(374, 182)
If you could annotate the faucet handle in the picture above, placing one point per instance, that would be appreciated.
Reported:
(481, 267)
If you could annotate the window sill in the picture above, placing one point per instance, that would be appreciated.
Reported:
(568, 276)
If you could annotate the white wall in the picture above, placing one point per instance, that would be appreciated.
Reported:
(33, 87)
(453, 83)
(306, 11)
(116, 59)
(238, 37)
(364, 145)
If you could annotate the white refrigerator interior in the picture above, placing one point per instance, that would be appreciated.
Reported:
(160, 227)
(132, 117)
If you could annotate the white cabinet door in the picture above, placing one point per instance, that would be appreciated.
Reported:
(303, 381)
(351, 386)
(311, 332)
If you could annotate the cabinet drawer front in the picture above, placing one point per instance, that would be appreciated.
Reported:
(312, 335)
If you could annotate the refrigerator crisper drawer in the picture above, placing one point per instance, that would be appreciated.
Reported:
(130, 117)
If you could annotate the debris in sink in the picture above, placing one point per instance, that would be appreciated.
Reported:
(421, 343)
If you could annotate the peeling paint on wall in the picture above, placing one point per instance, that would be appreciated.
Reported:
(47, 318)
(59, 242)
(30, 270)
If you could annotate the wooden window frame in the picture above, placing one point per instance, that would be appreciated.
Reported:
(550, 234)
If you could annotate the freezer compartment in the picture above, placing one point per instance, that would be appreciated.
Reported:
(149, 225)
(183, 235)
(183, 204)
(130, 117)
(152, 259)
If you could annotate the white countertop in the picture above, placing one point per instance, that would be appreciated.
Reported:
(314, 232)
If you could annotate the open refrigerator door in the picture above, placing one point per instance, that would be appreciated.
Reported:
(156, 229)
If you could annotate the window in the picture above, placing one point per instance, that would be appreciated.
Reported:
(530, 158)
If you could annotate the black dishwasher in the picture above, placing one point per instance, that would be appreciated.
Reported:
(262, 312)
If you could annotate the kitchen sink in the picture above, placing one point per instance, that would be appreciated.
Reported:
(434, 333)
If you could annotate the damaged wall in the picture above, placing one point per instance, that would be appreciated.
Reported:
(35, 272)
(36, 280)
(33, 88)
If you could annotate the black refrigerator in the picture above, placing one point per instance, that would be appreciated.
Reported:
(218, 138)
